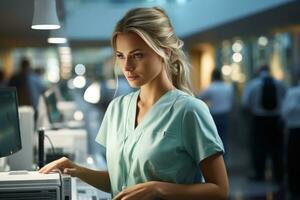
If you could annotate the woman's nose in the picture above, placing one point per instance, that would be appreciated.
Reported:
(129, 65)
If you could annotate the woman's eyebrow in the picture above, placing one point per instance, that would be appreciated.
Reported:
(133, 51)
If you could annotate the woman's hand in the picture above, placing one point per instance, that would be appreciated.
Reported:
(142, 191)
(63, 164)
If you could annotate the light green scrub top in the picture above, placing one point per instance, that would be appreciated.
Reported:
(174, 136)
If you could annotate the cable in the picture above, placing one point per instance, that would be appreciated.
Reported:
(52, 146)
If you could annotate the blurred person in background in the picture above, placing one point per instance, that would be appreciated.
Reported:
(29, 85)
(262, 98)
(291, 116)
(219, 97)
(40, 71)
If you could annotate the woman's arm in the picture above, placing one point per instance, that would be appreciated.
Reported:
(215, 186)
(98, 179)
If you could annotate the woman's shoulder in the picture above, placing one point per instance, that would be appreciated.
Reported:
(189, 103)
(121, 100)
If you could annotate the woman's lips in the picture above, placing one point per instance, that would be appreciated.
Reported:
(132, 77)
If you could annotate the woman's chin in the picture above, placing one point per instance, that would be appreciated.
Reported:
(134, 85)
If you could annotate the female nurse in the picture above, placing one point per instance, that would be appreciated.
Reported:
(161, 142)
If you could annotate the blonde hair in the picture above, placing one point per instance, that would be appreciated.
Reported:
(154, 27)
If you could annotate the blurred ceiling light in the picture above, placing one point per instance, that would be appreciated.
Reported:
(92, 93)
(45, 17)
(79, 81)
(90, 160)
(262, 41)
(237, 46)
(57, 40)
(237, 57)
(226, 70)
(57, 37)
(78, 115)
(80, 69)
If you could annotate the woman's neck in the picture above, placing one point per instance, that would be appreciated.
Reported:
(152, 91)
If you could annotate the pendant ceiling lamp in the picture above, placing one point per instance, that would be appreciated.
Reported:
(45, 16)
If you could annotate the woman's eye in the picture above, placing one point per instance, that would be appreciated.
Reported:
(138, 55)
(120, 56)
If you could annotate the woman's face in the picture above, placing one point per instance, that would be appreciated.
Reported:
(139, 63)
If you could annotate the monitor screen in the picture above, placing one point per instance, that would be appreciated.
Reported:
(10, 137)
(51, 103)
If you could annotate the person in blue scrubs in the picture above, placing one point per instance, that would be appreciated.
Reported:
(161, 142)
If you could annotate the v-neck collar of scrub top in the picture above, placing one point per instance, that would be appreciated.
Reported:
(154, 109)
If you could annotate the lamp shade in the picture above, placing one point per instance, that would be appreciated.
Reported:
(45, 17)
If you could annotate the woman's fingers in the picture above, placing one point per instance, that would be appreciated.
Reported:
(57, 164)
(49, 167)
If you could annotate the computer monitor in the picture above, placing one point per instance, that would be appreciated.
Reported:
(53, 113)
(10, 137)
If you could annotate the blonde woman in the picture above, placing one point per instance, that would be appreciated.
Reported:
(161, 142)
